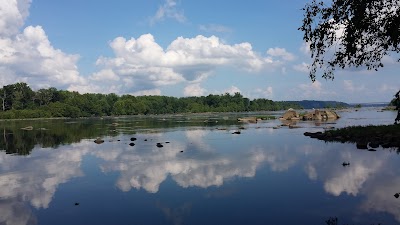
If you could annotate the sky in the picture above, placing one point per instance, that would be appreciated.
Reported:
(174, 48)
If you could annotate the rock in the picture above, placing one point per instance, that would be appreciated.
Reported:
(372, 150)
(290, 114)
(321, 115)
(236, 132)
(99, 141)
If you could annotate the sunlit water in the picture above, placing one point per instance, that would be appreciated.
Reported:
(203, 174)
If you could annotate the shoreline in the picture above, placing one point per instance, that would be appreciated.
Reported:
(365, 137)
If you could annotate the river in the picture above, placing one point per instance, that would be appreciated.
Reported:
(200, 172)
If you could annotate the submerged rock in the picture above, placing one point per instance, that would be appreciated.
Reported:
(99, 141)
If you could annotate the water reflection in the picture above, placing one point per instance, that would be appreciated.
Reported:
(35, 179)
(207, 159)
(14, 212)
(188, 164)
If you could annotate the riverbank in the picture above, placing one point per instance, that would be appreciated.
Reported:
(365, 137)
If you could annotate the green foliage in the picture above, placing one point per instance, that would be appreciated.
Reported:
(21, 102)
(361, 33)
(351, 33)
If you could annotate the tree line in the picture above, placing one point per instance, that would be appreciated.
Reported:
(20, 101)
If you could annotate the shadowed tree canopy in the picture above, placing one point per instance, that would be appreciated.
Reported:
(351, 33)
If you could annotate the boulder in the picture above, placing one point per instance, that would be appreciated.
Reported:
(291, 114)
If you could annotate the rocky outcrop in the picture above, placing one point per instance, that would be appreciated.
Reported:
(290, 114)
(321, 115)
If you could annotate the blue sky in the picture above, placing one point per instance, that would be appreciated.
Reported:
(175, 48)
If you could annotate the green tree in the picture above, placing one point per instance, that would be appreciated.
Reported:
(351, 33)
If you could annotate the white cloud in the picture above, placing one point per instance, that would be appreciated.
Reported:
(29, 56)
(305, 48)
(168, 10)
(281, 53)
(232, 90)
(146, 65)
(215, 28)
(303, 67)
(12, 16)
(194, 90)
(104, 75)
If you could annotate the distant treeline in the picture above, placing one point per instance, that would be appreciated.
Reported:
(309, 104)
(20, 101)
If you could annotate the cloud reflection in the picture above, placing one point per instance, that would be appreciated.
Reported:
(148, 169)
(35, 179)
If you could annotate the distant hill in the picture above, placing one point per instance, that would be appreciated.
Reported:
(309, 104)
(372, 104)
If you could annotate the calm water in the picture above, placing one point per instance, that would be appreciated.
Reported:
(204, 174)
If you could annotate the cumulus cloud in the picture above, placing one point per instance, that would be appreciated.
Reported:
(146, 65)
(12, 16)
(281, 53)
(194, 90)
(28, 56)
(105, 75)
(169, 10)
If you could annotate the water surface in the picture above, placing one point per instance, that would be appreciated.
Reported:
(203, 174)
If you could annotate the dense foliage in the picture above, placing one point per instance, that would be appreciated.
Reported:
(347, 33)
(20, 101)
(351, 33)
